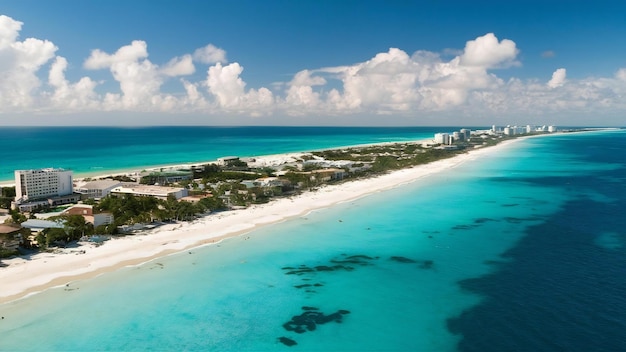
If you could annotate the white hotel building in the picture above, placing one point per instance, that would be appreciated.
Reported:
(442, 138)
(42, 183)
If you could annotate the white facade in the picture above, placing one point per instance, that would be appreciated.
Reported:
(551, 128)
(98, 189)
(514, 130)
(442, 138)
(151, 191)
(86, 211)
(42, 183)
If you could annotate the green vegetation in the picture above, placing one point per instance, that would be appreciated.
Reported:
(6, 253)
(74, 227)
(6, 197)
(129, 209)
(219, 188)
(213, 173)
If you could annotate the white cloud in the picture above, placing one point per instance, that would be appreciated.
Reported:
(194, 97)
(558, 78)
(300, 95)
(396, 82)
(78, 95)
(9, 30)
(210, 54)
(139, 79)
(224, 83)
(304, 78)
(455, 82)
(179, 66)
(19, 63)
(488, 52)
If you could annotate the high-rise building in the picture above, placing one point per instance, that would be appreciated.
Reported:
(42, 183)
(467, 134)
(442, 138)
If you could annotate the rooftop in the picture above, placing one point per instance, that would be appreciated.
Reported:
(100, 184)
(5, 229)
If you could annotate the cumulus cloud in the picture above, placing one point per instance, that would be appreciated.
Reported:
(77, 95)
(179, 66)
(461, 82)
(488, 52)
(210, 54)
(226, 85)
(395, 82)
(548, 54)
(19, 63)
(9, 30)
(139, 78)
(558, 78)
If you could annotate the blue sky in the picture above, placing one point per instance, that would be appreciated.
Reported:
(319, 62)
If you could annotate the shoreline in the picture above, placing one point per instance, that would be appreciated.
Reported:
(48, 270)
(134, 170)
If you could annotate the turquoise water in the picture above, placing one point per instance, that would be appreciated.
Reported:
(98, 150)
(419, 268)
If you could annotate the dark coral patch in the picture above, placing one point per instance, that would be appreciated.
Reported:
(400, 259)
(287, 341)
(426, 264)
(311, 318)
(463, 227)
(360, 256)
(483, 220)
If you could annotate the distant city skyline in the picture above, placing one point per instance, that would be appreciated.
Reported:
(333, 63)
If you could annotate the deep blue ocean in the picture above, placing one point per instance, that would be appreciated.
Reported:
(97, 150)
(520, 250)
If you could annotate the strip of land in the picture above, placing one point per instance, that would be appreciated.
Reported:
(23, 277)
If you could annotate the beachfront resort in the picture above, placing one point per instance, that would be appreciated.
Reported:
(47, 209)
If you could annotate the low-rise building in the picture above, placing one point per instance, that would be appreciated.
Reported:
(329, 174)
(86, 211)
(160, 192)
(325, 175)
(195, 198)
(97, 189)
(36, 226)
(266, 182)
(46, 203)
(169, 176)
(10, 236)
(225, 160)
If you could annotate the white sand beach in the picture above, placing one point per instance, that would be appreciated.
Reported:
(23, 277)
